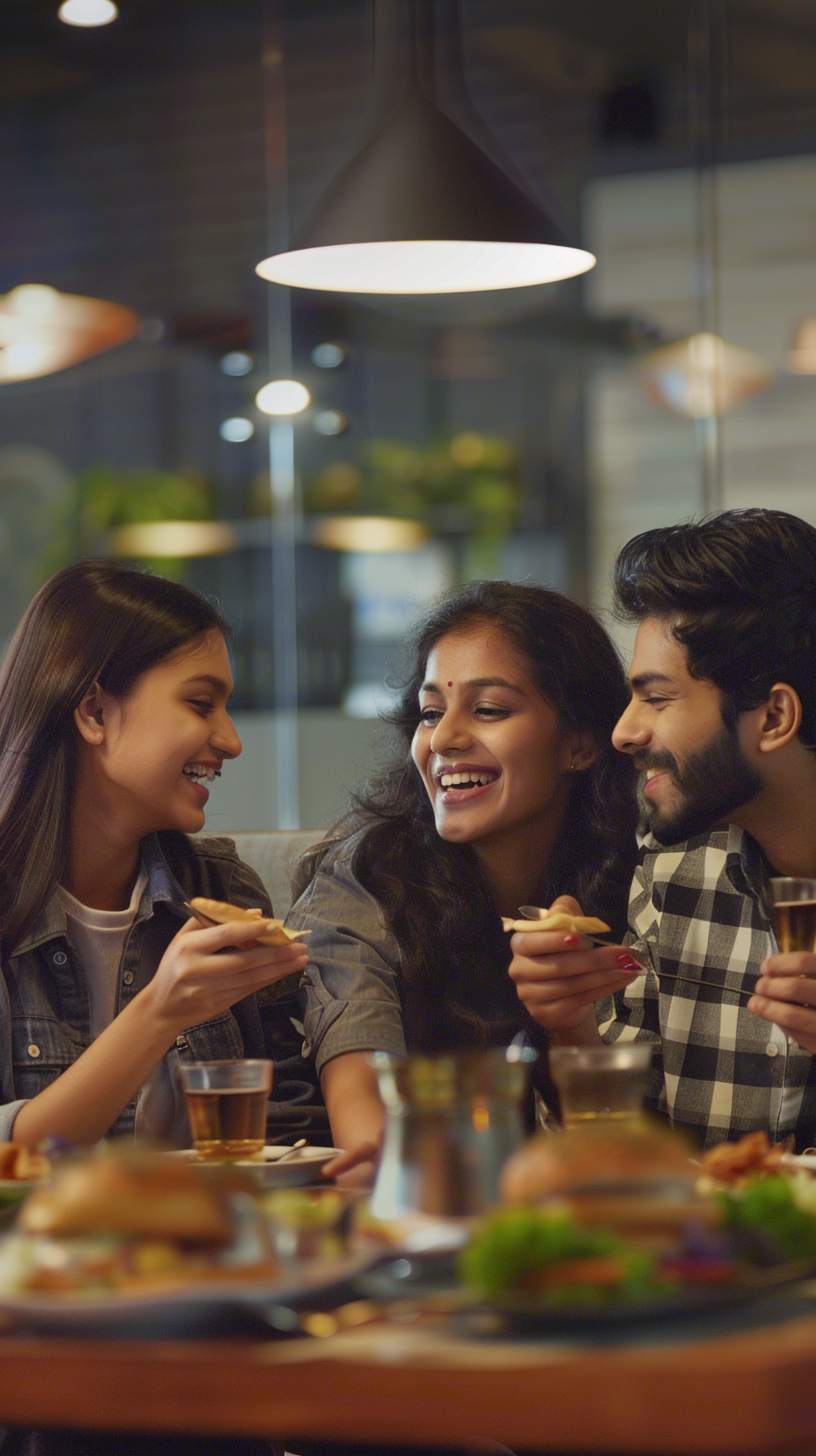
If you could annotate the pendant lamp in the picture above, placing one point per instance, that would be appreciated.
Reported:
(422, 208)
(702, 376)
(42, 330)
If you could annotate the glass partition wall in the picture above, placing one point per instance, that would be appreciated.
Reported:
(524, 434)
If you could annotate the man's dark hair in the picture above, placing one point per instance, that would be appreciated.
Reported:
(740, 591)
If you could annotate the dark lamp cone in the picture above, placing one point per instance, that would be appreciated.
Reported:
(420, 179)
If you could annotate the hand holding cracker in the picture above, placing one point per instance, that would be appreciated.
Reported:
(220, 912)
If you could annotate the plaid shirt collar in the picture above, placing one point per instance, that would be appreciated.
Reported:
(697, 910)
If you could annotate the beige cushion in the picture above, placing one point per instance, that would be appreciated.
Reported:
(273, 855)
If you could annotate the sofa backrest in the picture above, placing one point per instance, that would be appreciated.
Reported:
(273, 854)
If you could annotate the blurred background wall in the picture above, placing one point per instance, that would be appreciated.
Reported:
(528, 433)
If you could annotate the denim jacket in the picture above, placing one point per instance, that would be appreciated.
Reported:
(45, 1010)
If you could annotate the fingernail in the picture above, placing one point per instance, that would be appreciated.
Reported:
(572, 940)
(624, 960)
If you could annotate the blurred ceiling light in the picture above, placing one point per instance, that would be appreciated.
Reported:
(237, 363)
(236, 430)
(282, 397)
(42, 330)
(328, 356)
(173, 538)
(87, 12)
(331, 422)
(802, 357)
(702, 376)
(368, 533)
(422, 208)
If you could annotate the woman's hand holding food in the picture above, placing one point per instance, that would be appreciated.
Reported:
(204, 972)
(786, 994)
(559, 975)
(201, 974)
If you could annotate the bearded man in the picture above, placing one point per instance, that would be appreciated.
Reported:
(722, 726)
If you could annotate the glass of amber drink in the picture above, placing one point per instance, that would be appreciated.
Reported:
(601, 1084)
(226, 1105)
(793, 902)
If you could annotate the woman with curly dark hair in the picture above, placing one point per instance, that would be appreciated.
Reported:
(503, 789)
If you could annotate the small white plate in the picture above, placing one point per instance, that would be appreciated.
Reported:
(797, 1160)
(300, 1168)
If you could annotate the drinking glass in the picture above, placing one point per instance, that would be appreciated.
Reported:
(226, 1104)
(793, 903)
(601, 1084)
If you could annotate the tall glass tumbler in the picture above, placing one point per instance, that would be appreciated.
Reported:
(793, 905)
(601, 1084)
(226, 1104)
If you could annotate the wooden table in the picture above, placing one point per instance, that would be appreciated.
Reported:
(750, 1392)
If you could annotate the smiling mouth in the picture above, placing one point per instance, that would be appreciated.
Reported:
(460, 786)
(201, 773)
(468, 779)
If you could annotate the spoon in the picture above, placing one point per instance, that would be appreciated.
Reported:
(301, 1143)
(534, 912)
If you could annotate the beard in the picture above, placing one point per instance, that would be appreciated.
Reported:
(713, 782)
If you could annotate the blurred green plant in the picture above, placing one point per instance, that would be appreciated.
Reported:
(466, 485)
(101, 499)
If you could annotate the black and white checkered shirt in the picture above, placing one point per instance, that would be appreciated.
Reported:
(697, 909)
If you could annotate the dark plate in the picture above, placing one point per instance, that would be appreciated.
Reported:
(430, 1277)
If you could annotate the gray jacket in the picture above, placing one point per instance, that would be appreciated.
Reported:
(350, 992)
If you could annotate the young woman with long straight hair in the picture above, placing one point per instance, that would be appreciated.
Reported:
(503, 789)
(113, 717)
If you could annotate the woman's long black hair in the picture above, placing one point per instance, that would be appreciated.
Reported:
(435, 900)
(96, 621)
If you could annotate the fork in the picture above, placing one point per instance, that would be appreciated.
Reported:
(534, 912)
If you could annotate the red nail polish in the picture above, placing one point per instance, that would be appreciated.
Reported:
(572, 940)
(624, 960)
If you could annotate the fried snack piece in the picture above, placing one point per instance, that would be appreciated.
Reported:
(559, 920)
(736, 1162)
(143, 1195)
(21, 1164)
(221, 912)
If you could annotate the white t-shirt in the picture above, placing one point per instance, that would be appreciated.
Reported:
(98, 937)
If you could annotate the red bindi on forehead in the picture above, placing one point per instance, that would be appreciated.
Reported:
(450, 685)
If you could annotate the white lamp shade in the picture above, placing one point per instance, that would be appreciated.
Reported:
(435, 266)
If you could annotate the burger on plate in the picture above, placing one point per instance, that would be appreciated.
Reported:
(131, 1218)
(636, 1179)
